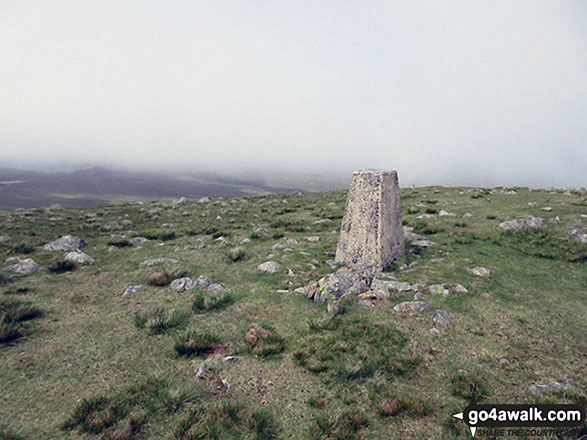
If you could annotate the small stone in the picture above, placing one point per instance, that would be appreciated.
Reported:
(467, 214)
(504, 361)
(539, 388)
(182, 284)
(424, 243)
(312, 239)
(202, 370)
(215, 288)
(335, 308)
(202, 282)
(226, 384)
(418, 296)
(132, 290)
(269, 266)
(470, 356)
(155, 261)
(444, 213)
(482, 272)
(459, 289)
(366, 303)
(204, 200)
(324, 220)
(24, 266)
(547, 208)
(255, 290)
(78, 257)
(426, 216)
(112, 249)
(137, 240)
(439, 289)
(66, 243)
(228, 359)
(434, 331)
(442, 317)
(554, 220)
(410, 307)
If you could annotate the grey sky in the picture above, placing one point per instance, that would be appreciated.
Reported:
(446, 92)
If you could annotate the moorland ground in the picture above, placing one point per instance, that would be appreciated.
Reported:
(78, 360)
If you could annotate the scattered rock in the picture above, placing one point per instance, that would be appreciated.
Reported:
(335, 308)
(439, 289)
(215, 288)
(554, 220)
(482, 272)
(324, 220)
(434, 331)
(366, 303)
(204, 200)
(444, 213)
(424, 243)
(551, 386)
(340, 284)
(228, 359)
(532, 204)
(547, 208)
(78, 257)
(23, 266)
(426, 216)
(66, 243)
(202, 282)
(226, 384)
(269, 266)
(459, 289)
(112, 249)
(254, 332)
(138, 240)
(442, 317)
(255, 290)
(503, 361)
(382, 288)
(182, 284)
(154, 261)
(418, 296)
(467, 214)
(132, 290)
(313, 239)
(410, 307)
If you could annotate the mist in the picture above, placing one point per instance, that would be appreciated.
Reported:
(448, 93)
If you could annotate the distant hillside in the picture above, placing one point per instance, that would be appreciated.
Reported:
(98, 186)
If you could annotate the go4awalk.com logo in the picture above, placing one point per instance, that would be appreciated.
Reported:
(518, 416)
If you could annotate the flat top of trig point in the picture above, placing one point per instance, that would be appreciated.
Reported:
(374, 171)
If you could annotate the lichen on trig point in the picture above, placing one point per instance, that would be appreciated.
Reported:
(371, 235)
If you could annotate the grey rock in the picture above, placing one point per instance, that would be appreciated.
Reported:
(383, 288)
(426, 216)
(410, 307)
(442, 317)
(503, 361)
(229, 359)
(255, 290)
(182, 284)
(226, 384)
(78, 257)
(269, 266)
(215, 288)
(314, 238)
(444, 213)
(112, 249)
(434, 331)
(418, 296)
(66, 243)
(424, 243)
(554, 220)
(204, 200)
(340, 284)
(278, 246)
(534, 222)
(512, 225)
(547, 208)
(335, 308)
(539, 388)
(132, 290)
(202, 282)
(482, 272)
(439, 289)
(24, 266)
(459, 289)
(467, 215)
(366, 303)
(291, 241)
(202, 370)
(154, 261)
(138, 240)
(324, 220)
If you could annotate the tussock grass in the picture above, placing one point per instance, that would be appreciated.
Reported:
(345, 426)
(226, 420)
(194, 343)
(61, 266)
(206, 302)
(158, 320)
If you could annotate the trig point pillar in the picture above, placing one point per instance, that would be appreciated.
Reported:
(371, 235)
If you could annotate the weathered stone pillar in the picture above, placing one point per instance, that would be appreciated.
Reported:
(371, 236)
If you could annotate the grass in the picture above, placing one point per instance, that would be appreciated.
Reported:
(193, 343)
(60, 266)
(227, 420)
(13, 316)
(366, 374)
(206, 302)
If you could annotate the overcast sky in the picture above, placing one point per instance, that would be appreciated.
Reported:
(446, 92)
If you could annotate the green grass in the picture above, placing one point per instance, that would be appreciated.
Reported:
(360, 375)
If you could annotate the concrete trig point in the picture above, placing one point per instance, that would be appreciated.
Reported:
(371, 235)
